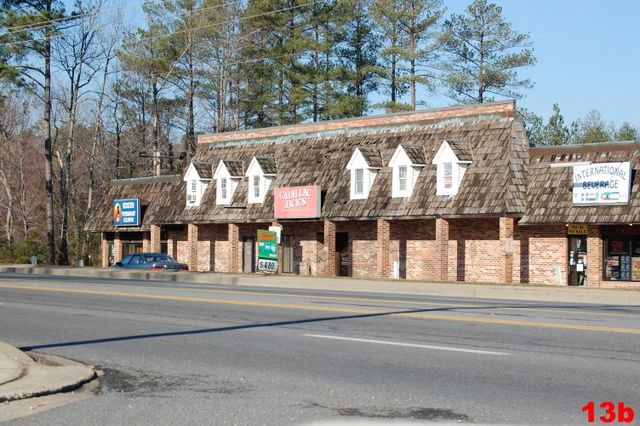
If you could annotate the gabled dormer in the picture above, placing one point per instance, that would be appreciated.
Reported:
(227, 175)
(363, 165)
(451, 160)
(406, 163)
(197, 177)
(260, 174)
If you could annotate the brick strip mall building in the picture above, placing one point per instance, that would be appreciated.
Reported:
(453, 194)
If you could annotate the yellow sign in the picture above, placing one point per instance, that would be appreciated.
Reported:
(576, 229)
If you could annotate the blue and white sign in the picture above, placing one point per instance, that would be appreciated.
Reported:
(126, 212)
(602, 184)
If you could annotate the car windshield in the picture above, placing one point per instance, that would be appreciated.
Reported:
(158, 258)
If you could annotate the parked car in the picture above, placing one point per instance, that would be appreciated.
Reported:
(151, 261)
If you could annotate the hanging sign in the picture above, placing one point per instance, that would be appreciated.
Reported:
(602, 184)
(297, 202)
(576, 229)
(126, 212)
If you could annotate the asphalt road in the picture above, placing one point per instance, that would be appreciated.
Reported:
(194, 354)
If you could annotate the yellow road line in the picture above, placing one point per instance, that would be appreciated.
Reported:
(333, 309)
(394, 301)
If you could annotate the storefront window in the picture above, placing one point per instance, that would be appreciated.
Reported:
(622, 259)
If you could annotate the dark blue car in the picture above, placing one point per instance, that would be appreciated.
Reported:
(151, 261)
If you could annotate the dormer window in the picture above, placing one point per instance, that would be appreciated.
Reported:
(363, 165)
(406, 163)
(359, 182)
(447, 175)
(227, 175)
(451, 160)
(260, 173)
(197, 179)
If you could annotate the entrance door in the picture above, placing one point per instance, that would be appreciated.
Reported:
(248, 251)
(344, 254)
(287, 253)
(578, 260)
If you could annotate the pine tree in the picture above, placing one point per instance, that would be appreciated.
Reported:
(358, 48)
(627, 132)
(484, 55)
(418, 21)
(591, 129)
(387, 14)
(31, 24)
(555, 131)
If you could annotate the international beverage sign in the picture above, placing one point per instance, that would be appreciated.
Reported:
(602, 184)
(267, 251)
(126, 212)
(297, 202)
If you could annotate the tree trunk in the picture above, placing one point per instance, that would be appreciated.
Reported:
(48, 177)
(156, 131)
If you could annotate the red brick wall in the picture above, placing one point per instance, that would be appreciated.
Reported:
(362, 245)
(475, 250)
(307, 247)
(413, 245)
(211, 238)
(180, 245)
(545, 248)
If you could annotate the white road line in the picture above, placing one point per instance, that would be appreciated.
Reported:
(409, 345)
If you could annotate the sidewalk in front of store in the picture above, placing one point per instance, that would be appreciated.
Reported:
(451, 289)
(22, 376)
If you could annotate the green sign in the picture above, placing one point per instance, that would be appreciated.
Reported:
(267, 245)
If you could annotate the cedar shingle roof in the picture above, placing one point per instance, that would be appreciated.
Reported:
(234, 168)
(494, 183)
(549, 192)
(163, 201)
(415, 153)
(371, 156)
(204, 169)
(462, 150)
(268, 165)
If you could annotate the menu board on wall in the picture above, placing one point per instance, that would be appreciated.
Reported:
(635, 268)
(625, 268)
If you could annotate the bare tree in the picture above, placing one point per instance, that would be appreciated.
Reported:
(77, 55)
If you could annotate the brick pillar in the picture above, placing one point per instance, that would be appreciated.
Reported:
(171, 246)
(192, 238)
(117, 248)
(235, 261)
(384, 235)
(154, 244)
(506, 246)
(442, 249)
(104, 250)
(595, 261)
(145, 242)
(330, 248)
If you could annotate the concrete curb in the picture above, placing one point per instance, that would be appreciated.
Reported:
(627, 297)
(48, 375)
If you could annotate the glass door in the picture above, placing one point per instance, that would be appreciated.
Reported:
(578, 260)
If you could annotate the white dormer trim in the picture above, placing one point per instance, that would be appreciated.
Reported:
(225, 184)
(257, 183)
(446, 161)
(196, 186)
(362, 176)
(404, 173)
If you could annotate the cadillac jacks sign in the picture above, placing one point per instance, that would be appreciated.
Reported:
(602, 184)
(298, 202)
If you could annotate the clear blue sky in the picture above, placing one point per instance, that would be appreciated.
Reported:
(588, 54)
